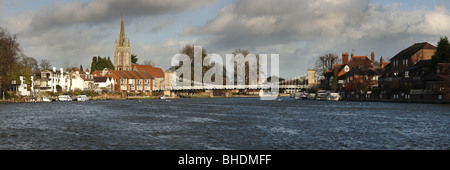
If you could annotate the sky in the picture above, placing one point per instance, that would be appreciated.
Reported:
(66, 31)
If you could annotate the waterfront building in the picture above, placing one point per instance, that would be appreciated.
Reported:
(358, 73)
(155, 72)
(126, 81)
(49, 80)
(408, 68)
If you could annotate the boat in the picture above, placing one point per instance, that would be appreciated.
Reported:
(312, 96)
(333, 97)
(64, 98)
(268, 95)
(46, 99)
(321, 95)
(303, 96)
(163, 97)
(82, 98)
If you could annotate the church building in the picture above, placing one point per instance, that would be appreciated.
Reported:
(122, 56)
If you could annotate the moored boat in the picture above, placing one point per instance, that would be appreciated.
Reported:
(333, 97)
(65, 98)
(321, 95)
(82, 98)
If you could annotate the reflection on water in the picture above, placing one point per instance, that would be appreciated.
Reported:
(224, 123)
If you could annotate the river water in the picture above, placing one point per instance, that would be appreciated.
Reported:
(224, 123)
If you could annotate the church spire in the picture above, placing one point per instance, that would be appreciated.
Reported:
(123, 37)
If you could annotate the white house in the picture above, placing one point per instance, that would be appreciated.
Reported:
(104, 83)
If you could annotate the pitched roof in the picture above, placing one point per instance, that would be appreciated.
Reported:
(100, 79)
(410, 51)
(153, 71)
(360, 62)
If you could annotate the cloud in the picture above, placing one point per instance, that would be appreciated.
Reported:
(100, 11)
(77, 31)
(316, 27)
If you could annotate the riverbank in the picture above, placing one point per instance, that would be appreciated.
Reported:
(118, 97)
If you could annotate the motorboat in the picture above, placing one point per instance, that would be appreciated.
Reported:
(268, 95)
(64, 98)
(312, 96)
(303, 96)
(163, 97)
(321, 95)
(333, 97)
(82, 98)
(46, 99)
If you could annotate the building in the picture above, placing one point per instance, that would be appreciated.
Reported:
(155, 72)
(125, 81)
(122, 55)
(408, 68)
(358, 73)
(312, 77)
(50, 80)
(104, 84)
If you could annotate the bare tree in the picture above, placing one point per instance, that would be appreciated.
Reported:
(29, 63)
(148, 62)
(326, 62)
(45, 64)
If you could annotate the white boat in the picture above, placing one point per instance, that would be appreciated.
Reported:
(64, 98)
(268, 95)
(46, 99)
(333, 97)
(164, 97)
(82, 98)
(321, 95)
(303, 96)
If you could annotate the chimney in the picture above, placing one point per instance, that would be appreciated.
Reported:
(381, 62)
(373, 58)
(345, 58)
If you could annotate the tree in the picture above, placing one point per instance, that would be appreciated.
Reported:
(45, 64)
(442, 54)
(326, 62)
(9, 54)
(99, 63)
(334, 86)
(94, 64)
(134, 59)
(149, 63)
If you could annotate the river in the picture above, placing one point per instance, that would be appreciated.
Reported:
(222, 124)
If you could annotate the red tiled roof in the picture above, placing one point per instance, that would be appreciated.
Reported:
(153, 71)
(359, 61)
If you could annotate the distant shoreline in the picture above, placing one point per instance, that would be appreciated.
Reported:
(234, 96)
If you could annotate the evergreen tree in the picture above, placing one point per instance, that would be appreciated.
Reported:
(94, 64)
(134, 59)
(442, 53)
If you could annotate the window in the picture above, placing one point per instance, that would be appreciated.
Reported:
(375, 78)
(346, 69)
(406, 74)
(405, 62)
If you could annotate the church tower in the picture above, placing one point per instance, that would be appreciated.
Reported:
(122, 56)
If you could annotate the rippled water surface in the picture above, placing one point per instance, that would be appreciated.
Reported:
(224, 123)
